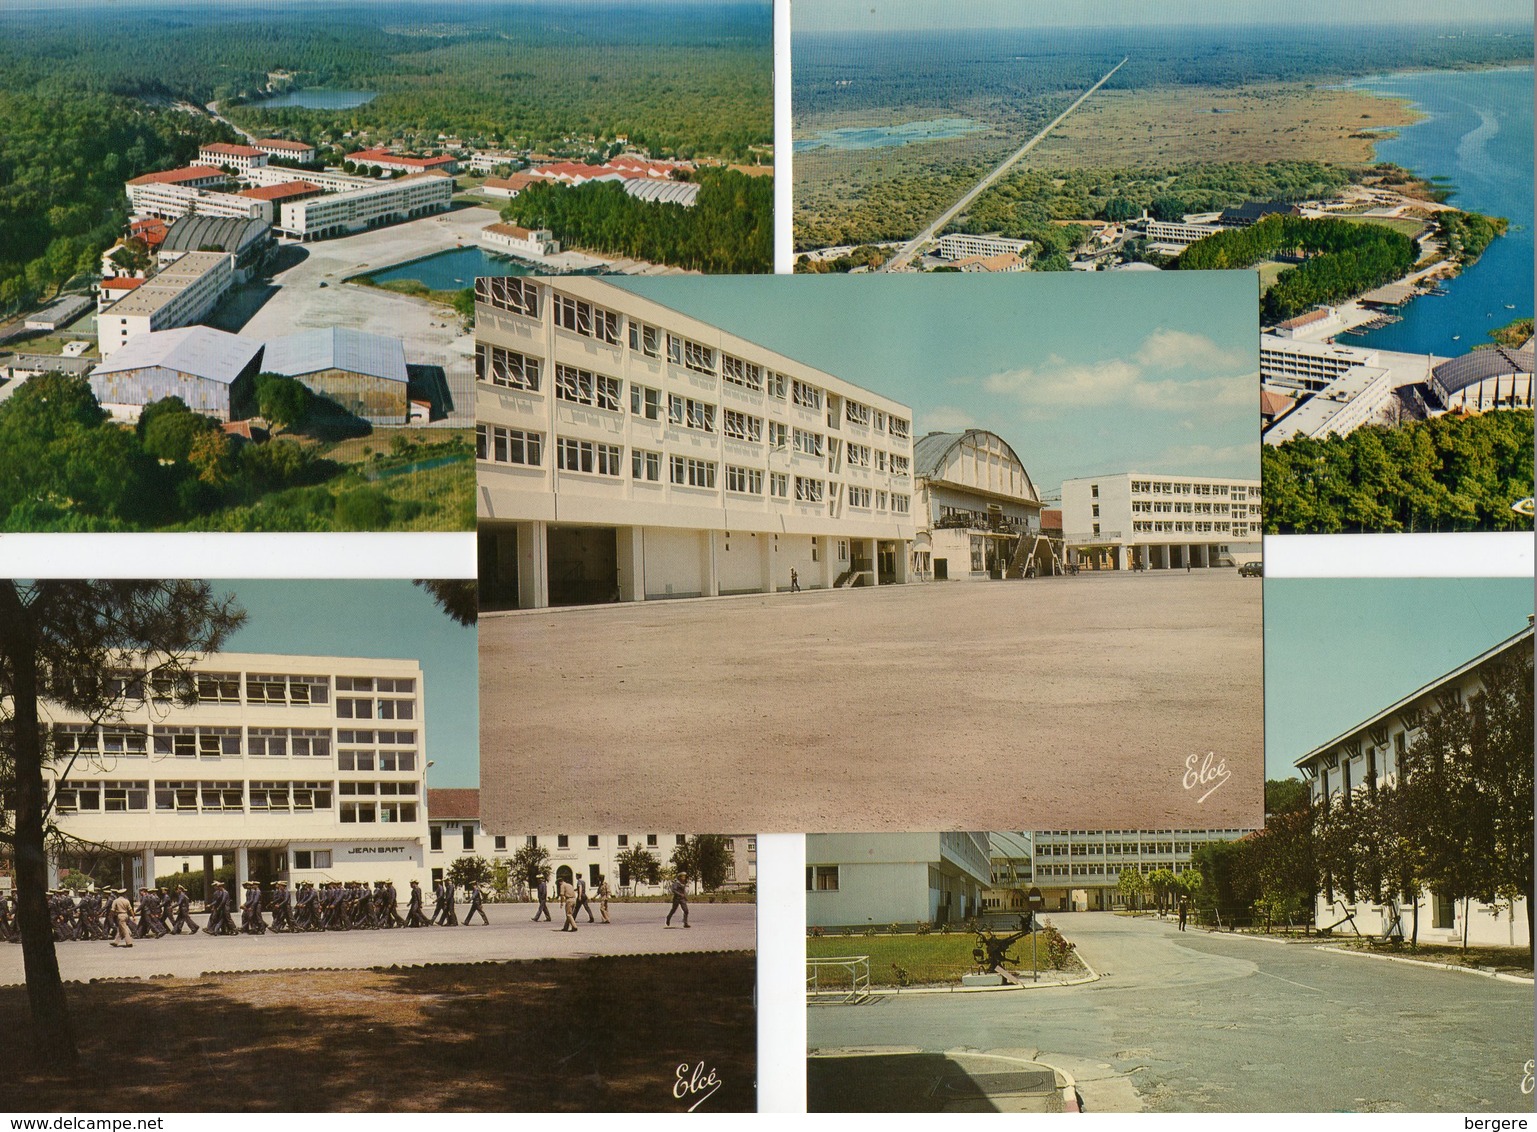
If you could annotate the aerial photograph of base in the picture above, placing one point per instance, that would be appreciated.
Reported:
(249, 833)
(1371, 167)
(239, 239)
(1375, 925)
(940, 547)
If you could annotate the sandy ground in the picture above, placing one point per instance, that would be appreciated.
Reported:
(596, 1035)
(1050, 704)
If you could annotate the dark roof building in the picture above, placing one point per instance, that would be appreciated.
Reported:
(1489, 378)
(248, 240)
(1253, 211)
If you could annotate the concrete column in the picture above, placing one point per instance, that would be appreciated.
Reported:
(632, 563)
(904, 559)
(533, 566)
(1118, 557)
(242, 866)
(766, 563)
(147, 863)
(207, 877)
(875, 561)
(709, 565)
(827, 566)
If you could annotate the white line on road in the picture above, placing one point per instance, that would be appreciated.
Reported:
(1304, 986)
(910, 249)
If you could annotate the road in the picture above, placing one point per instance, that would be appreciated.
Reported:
(910, 249)
(213, 112)
(1211, 1023)
(637, 929)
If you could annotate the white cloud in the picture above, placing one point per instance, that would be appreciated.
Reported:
(947, 418)
(1059, 383)
(1204, 394)
(1238, 460)
(1179, 349)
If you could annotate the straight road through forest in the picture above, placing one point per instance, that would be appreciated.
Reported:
(910, 249)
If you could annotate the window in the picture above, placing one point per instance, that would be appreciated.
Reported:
(610, 457)
(592, 841)
(508, 445)
(508, 293)
(645, 402)
(582, 317)
(311, 796)
(127, 741)
(691, 413)
(859, 497)
(308, 743)
(821, 878)
(349, 708)
(900, 504)
(778, 434)
(624, 840)
(747, 481)
(855, 413)
(645, 339)
(808, 490)
(899, 465)
(740, 372)
(688, 472)
(779, 485)
(691, 355)
(1095, 510)
(435, 838)
(573, 455)
(497, 366)
(269, 796)
(296, 690)
(572, 384)
(741, 426)
(222, 796)
(218, 687)
(645, 465)
(778, 386)
(650, 841)
(680, 839)
(467, 838)
(859, 455)
(899, 427)
(178, 796)
(562, 841)
(500, 843)
(1094, 490)
(806, 396)
(880, 460)
(808, 443)
(880, 501)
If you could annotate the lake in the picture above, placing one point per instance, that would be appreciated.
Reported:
(317, 99)
(878, 137)
(1478, 136)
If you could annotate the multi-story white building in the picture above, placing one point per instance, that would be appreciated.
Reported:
(372, 206)
(1299, 364)
(975, 507)
(1357, 397)
(397, 163)
(961, 245)
(182, 292)
(1178, 233)
(1134, 520)
(1079, 870)
(857, 879)
(629, 452)
(302, 152)
(513, 240)
(454, 831)
(178, 192)
(298, 767)
(1369, 755)
(236, 157)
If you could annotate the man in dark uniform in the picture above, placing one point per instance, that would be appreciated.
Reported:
(415, 918)
(450, 917)
(150, 920)
(181, 912)
(477, 899)
(581, 898)
(679, 892)
(304, 908)
(219, 921)
(392, 917)
(251, 919)
(439, 899)
(543, 888)
(282, 908)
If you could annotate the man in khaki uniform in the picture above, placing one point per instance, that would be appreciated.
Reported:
(122, 915)
(568, 898)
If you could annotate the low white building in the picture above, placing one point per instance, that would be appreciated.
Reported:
(297, 767)
(976, 510)
(1133, 520)
(863, 879)
(1369, 756)
(213, 372)
(455, 830)
(301, 152)
(236, 157)
(181, 292)
(1079, 870)
(629, 452)
(962, 245)
(1178, 234)
(372, 206)
(513, 240)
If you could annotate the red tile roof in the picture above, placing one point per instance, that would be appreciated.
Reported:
(286, 191)
(230, 150)
(284, 143)
(508, 230)
(121, 283)
(152, 231)
(1051, 519)
(453, 803)
(1274, 404)
(1305, 319)
(517, 182)
(177, 176)
(379, 156)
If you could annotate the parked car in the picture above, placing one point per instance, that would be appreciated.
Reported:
(1252, 570)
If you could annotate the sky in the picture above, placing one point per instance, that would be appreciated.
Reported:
(1081, 374)
(875, 15)
(1339, 650)
(394, 620)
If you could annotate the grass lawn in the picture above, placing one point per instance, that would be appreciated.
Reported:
(1409, 227)
(928, 959)
(1269, 273)
(1507, 960)
(594, 1035)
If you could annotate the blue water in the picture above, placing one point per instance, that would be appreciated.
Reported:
(318, 99)
(878, 137)
(453, 270)
(1478, 136)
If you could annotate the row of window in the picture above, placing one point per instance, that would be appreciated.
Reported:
(1146, 526)
(205, 742)
(361, 801)
(1174, 487)
(562, 840)
(1155, 507)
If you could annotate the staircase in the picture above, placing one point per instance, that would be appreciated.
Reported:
(1024, 554)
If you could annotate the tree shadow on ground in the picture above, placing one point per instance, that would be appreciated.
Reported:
(600, 1034)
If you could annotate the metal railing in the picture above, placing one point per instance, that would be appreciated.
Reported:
(853, 981)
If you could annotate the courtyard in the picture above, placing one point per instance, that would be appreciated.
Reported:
(1055, 703)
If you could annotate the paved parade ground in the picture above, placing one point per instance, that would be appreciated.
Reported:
(1056, 703)
(636, 929)
(1183, 1022)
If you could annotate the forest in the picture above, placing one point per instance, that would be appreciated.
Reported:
(729, 229)
(1450, 473)
(1339, 259)
(66, 466)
